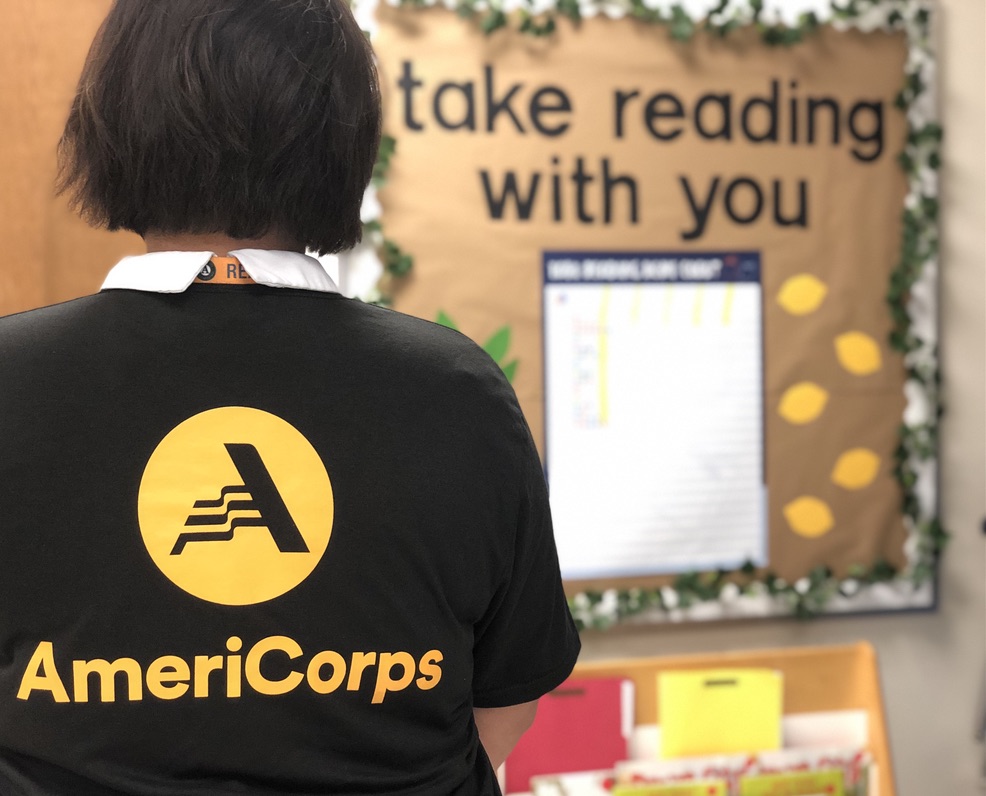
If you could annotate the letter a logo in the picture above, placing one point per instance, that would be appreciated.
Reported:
(235, 506)
(262, 496)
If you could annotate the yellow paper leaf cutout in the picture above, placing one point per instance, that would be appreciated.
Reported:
(858, 353)
(856, 469)
(802, 403)
(809, 517)
(802, 294)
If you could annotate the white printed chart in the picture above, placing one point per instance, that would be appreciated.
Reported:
(654, 412)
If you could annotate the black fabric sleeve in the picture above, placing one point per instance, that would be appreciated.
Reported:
(527, 643)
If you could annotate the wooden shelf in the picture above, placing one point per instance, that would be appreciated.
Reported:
(815, 679)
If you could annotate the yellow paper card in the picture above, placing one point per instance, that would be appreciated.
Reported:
(710, 788)
(807, 783)
(719, 711)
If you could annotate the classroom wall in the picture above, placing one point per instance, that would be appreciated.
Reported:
(933, 665)
(50, 254)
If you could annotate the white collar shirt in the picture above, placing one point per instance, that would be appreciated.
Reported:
(173, 272)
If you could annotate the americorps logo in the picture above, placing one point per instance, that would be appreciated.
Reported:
(235, 506)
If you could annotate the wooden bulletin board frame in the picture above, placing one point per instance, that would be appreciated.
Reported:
(911, 299)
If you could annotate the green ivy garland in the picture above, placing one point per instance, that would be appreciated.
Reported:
(917, 446)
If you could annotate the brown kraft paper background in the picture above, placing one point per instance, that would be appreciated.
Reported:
(486, 273)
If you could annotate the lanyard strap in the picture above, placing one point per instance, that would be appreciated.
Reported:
(224, 271)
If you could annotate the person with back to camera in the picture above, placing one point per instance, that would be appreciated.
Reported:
(257, 537)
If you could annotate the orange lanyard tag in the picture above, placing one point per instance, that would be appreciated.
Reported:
(223, 271)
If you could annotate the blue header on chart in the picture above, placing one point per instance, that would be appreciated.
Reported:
(576, 268)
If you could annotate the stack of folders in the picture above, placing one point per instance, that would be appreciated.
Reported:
(721, 733)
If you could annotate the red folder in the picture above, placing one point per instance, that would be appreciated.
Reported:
(583, 725)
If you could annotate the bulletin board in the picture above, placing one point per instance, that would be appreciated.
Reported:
(670, 144)
(703, 250)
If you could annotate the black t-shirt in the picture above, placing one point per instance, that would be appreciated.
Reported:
(263, 541)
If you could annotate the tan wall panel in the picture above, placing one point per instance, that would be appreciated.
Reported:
(52, 255)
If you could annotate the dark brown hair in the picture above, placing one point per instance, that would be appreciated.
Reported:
(233, 116)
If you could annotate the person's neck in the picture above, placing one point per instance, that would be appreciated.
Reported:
(217, 243)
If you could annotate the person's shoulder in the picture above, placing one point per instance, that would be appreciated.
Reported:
(35, 325)
(426, 343)
(431, 353)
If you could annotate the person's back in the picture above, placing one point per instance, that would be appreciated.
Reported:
(261, 539)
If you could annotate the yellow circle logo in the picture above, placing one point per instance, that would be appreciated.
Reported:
(235, 506)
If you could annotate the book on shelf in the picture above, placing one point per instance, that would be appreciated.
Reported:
(800, 783)
(719, 711)
(743, 773)
(705, 788)
(603, 783)
(584, 725)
